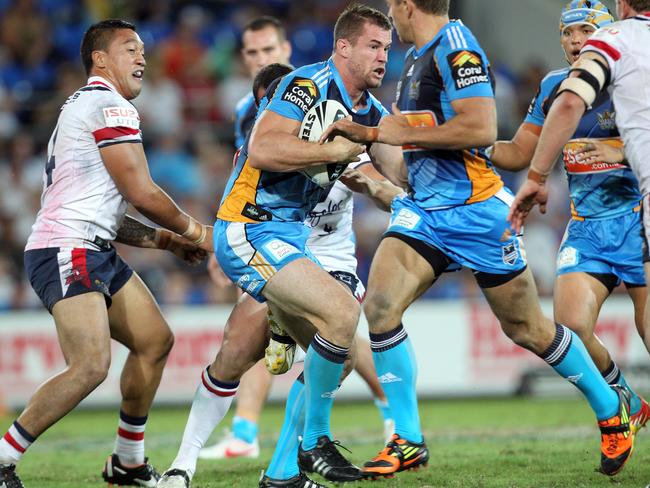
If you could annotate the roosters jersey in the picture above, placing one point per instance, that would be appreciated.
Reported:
(80, 201)
(624, 45)
(253, 195)
(452, 66)
(597, 190)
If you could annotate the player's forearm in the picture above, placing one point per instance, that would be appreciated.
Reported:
(560, 125)
(509, 156)
(135, 233)
(158, 207)
(281, 151)
(460, 132)
(383, 193)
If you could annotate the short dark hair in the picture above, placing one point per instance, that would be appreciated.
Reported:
(352, 20)
(267, 75)
(639, 5)
(435, 7)
(98, 37)
(265, 21)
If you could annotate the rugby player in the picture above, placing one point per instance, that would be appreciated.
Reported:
(261, 247)
(602, 245)
(455, 216)
(96, 166)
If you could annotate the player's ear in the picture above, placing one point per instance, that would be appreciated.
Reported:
(343, 47)
(99, 59)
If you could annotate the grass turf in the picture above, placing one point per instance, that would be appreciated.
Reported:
(478, 443)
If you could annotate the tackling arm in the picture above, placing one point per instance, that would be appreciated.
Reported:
(516, 154)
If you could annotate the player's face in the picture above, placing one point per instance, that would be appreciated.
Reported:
(368, 56)
(263, 47)
(125, 63)
(573, 38)
(399, 17)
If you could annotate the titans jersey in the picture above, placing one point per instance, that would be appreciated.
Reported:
(597, 190)
(452, 66)
(253, 195)
(245, 112)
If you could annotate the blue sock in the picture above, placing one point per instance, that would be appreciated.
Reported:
(384, 409)
(397, 371)
(614, 376)
(244, 429)
(568, 356)
(323, 369)
(284, 464)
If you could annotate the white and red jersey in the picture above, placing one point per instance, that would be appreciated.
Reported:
(625, 46)
(80, 201)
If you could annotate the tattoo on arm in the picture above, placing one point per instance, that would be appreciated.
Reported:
(135, 233)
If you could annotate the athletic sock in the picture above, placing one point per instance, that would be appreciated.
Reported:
(614, 376)
(323, 369)
(568, 356)
(14, 444)
(284, 464)
(384, 409)
(397, 372)
(244, 429)
(129, 443)
(210, 405)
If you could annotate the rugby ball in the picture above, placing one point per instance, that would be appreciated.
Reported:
(316, 120)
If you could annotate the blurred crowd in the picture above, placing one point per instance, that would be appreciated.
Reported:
(193, 80)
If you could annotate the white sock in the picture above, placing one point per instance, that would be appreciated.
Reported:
(129, 443)
(210, 405)
(14, 444)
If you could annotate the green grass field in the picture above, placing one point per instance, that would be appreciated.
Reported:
(474, 443)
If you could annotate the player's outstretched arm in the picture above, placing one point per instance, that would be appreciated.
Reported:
(515, 155)
(127, 165)
(367, 180)
(275, 146)
(474, 125)
(135, 233)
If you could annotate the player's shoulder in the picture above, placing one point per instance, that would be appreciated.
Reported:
(245, 103)
(552, 78)
(314, 71)
(376, 104)
(455, 36)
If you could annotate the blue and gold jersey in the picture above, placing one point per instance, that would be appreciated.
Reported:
(254, 195)
(245, 112)
(452, 66)
(597, 190)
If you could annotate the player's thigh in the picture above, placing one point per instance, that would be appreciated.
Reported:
(136, 320)
(246, 331)
(83, 330)
(303, 289)
(577, 299)
(398, 275)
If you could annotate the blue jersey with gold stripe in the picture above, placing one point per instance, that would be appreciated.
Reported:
(452, 66)
(254, 195)
(597, 190)
(245, 112)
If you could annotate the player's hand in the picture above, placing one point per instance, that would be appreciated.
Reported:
(217, 275)
(350, 130)
(343, 150)
(394, 129)
(186, 250)
(357, 181)
(530, 194)
(595, 151)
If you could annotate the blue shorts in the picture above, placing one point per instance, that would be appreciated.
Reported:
(608, 246)
(58, 273)
(476, 236)
(250, 254)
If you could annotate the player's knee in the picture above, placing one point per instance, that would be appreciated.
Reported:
(342, 321)
(382, 312)
(92, 372)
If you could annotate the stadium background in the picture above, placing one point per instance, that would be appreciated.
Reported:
(193, 80)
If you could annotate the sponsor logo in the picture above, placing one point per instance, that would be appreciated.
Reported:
(575, 378)
(406, 218)
(121, 117)
(467, 69)
(302, 92)
(389, 378)
(414, 90)
(329, 394)
(419, 118)
(568, 256)
(509, 253)
(280, 249)
(613, 31)
(606, 120)
(254, 212)
(507, 234)
(575, 166)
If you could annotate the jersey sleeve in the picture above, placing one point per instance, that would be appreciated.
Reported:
(463, 65)
(536, 114)
(294, 96)
(113, 120)
(608, 42)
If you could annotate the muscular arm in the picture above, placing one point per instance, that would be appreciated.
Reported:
(516, 154)
(134, 233)
(127, 165)
(389, 160)
(367, 180)
(275, 146)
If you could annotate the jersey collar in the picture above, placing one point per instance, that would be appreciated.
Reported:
(344, 93)
(98, 80)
